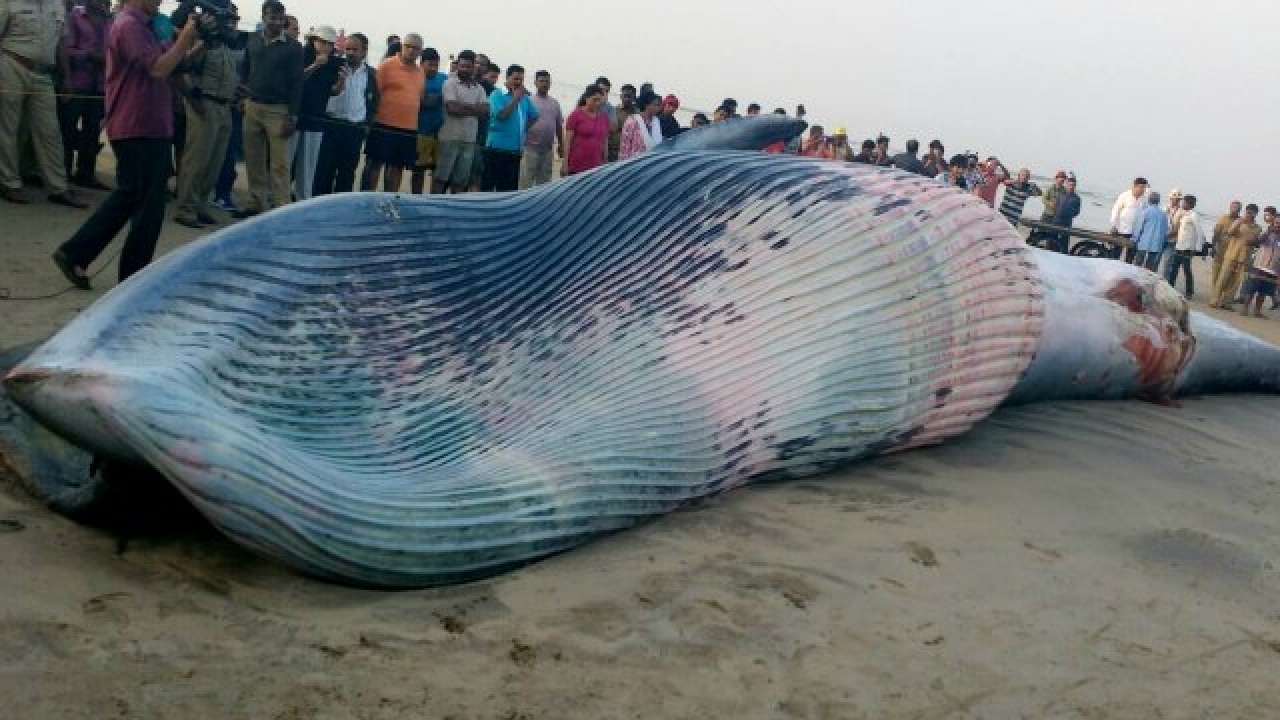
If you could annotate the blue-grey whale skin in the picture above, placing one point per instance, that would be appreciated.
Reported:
(737, 133)
(402, 392)
(49, 466)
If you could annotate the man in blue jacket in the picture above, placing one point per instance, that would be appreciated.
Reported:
(1068, 209)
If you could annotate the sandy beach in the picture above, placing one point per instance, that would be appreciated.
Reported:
(1074, 560)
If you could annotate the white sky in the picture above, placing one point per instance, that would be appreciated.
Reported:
(1181, 91)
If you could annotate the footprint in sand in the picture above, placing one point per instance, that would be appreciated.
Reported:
(108, 606)
(922, 554)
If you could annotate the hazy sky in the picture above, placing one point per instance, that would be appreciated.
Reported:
(1181, 91)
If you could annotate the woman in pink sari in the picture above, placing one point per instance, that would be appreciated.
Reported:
(642, 131)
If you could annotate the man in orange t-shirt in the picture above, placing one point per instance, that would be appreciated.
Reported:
(393, 142)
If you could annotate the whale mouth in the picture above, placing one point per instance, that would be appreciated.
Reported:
(70, 402)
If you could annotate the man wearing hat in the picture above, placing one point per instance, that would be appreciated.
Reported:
(667, 119)
(840, 149)
(323, 77)
(1124, 213)
(1173, 213)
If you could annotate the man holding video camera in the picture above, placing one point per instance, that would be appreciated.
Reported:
(208, 90)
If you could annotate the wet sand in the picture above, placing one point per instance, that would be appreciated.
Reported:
(1069, 560)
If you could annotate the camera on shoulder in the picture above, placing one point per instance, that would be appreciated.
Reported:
(219, 10)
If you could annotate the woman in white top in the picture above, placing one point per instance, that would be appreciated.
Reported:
(642, 131)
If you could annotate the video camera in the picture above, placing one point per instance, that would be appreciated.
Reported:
(219, 9)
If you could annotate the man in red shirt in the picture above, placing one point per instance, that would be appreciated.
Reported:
(139, 126)
(994, 173)
(84, 43)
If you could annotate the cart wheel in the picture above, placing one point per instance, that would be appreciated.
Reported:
(1086, 248)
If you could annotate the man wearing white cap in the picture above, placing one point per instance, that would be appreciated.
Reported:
(1173, 211)
(324, 75)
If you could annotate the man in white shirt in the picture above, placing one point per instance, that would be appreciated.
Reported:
(1173, 211)
(1190, 240)
(1124, 213)
(348, 116)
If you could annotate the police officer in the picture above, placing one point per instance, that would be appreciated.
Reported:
(30, 31)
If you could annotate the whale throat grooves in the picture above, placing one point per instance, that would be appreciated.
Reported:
(401, 392)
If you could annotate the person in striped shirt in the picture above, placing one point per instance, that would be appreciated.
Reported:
(1016, 192)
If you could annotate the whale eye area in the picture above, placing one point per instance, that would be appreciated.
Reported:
(1127, 294)
(1165, 344)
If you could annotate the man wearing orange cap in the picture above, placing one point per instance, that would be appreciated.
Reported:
(667, 118)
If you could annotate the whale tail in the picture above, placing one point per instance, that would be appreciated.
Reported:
(740, 133)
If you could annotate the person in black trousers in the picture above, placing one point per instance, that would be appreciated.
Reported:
(347, 122)
(140, 128)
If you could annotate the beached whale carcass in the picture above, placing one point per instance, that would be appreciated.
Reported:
(412, 391)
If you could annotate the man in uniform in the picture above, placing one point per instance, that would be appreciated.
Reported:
(210, 88)
(30, 31)
(1241, 238)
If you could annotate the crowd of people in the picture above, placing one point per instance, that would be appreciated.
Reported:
(190, 96)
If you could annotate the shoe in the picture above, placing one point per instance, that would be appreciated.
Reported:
(244, 214)
(188, 222)
(226, 204)
(17, 197)
(206, 218)
(69, 271)
(91, 183)
(68, 200)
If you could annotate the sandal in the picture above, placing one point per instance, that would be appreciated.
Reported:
(68, 200)
(71, 272)
(17, 197)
